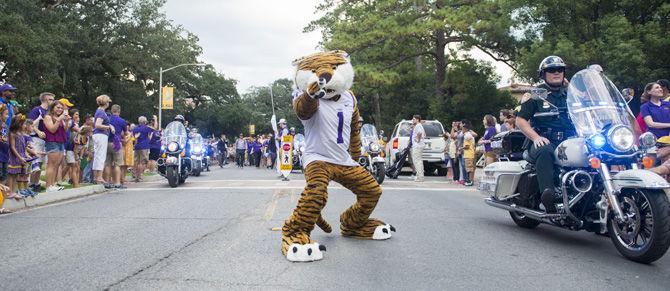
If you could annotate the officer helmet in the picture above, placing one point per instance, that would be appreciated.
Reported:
(550, 62)
(179, 117)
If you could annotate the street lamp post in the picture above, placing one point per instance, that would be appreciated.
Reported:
(160, 89)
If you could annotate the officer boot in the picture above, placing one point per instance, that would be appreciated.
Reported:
(548, 199)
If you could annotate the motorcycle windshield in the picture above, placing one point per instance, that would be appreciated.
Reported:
(368, 134)
(175, 132)
(595, 104)
(298, 139)
(197, 140)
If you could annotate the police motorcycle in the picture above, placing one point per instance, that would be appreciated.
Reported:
(298, 150)
(371, 151)
(173, 163)
(209, 153)
(601, 186)
(197, 152)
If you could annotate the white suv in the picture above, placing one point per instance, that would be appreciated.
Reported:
(434, 145)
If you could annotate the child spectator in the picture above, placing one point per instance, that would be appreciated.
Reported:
(35, 165)
(469, 154)
(128, 152)
(18, 158)
(85, 151)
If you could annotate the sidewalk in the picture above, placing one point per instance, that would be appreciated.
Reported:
(53, 197)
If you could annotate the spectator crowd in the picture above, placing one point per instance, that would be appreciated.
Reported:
(52, 147)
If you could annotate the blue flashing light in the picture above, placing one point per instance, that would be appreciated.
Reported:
(598, 141)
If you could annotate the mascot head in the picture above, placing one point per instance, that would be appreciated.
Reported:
(332, 71)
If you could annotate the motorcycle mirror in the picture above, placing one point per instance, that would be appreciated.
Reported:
(628, 94)
(385, 139)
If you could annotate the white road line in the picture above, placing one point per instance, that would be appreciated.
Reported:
(293, 187)
(277, 180)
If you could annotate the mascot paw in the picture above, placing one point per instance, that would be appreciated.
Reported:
(315, 91)
(383, 232)
(305, 253)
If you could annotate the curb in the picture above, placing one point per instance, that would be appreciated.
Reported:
(50, 198)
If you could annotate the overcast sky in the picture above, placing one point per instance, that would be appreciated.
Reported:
(252, 41)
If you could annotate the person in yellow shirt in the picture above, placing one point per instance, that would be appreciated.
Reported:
(469, 154)
(128, 153)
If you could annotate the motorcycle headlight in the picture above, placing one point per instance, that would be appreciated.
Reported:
(647, 140)
(302, 149)
(621, 138)
(374, 147)
(173, 147)
(197, 149)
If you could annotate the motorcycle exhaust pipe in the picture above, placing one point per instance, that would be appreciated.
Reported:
(534, 214)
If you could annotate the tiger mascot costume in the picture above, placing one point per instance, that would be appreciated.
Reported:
(329, 113)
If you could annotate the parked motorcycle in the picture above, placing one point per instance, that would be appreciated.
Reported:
(601, 187)
(173, 163)
(298, 149)
(197, 151)
(371, 152)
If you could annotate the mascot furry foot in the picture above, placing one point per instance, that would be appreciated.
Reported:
(305, 253)
(373, 229)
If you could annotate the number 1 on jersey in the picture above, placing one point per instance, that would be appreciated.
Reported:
(340, 127)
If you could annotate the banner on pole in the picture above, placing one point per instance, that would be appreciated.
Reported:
(286, 157)
(168, 97)
(252, 129)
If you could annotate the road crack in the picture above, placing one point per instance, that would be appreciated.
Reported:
(177, 251)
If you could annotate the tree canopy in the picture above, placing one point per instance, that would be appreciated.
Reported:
(81, 49)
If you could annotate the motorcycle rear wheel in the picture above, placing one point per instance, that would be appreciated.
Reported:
(646, 237)
(523, 221)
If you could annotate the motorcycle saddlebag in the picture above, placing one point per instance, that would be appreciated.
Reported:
(528, 187)
(508, 143)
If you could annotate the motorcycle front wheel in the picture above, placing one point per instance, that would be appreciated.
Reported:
(645, 236)
(379, 172)
(172, 176)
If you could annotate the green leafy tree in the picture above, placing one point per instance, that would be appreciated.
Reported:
(401, 50)
(629, 39)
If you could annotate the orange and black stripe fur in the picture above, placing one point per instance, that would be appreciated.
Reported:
(354, 221)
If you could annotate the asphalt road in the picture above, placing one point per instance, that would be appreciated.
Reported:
(215, 232)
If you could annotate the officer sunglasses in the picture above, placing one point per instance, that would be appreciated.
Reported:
(555, 70)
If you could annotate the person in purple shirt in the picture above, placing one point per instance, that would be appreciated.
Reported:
(7, 94)
(143, 135)
(37, 114)
(255, 152)
(656, 112)
(101, 132)
(490, 123)
(114, 159)
(154, 144)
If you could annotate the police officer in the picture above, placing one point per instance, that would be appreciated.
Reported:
(546, 132)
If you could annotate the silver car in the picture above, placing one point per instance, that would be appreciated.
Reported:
(433, 158)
